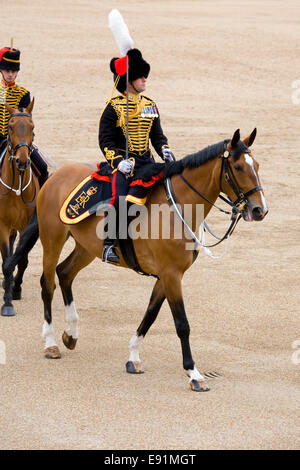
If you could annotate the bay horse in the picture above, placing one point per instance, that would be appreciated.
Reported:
(18, 189)
(226, 167)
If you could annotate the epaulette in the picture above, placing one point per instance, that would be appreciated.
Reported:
(114, 98)
(22, 89)
(147, 98)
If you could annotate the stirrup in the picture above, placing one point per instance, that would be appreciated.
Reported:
(109, 255)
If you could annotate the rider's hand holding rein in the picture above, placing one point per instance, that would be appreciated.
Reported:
(126, 167)
(168, 156)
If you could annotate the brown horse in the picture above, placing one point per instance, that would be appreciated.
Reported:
(18, 189)
(226, 167)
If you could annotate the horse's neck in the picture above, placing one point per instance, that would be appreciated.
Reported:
(205, 180)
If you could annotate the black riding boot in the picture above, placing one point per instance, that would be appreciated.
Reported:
(41, 165)
(43, 178)
(109, 255)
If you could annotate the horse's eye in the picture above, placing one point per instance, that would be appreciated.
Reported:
(238, 168)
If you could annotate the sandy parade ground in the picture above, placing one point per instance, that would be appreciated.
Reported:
(215, 66)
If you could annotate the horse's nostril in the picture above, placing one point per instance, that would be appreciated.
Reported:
(257, 213)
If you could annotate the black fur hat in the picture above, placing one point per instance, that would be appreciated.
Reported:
(138, 68)
(9, 59)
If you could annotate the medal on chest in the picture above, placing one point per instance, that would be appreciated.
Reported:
(149, 112)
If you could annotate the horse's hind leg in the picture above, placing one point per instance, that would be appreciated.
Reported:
(51, 250)
(22, 265)
(18, 279)
(67, 271)
(134, 366)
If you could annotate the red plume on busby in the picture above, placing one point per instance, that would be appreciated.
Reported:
(9, 59)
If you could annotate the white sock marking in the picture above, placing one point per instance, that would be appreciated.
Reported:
(134, 346)
(72, 320)
(194, 374)
(48, 335)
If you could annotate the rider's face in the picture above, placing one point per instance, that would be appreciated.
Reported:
(9, 75)
(138, 85)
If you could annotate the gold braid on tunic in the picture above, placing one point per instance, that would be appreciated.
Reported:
(140, 123)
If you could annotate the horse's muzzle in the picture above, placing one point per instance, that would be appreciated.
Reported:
(256, 213)
(22, 166)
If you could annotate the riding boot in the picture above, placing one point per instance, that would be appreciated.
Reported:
(109, 255)
(43, 178)
(41, 165)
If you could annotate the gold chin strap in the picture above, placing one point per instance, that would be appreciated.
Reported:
(112, 92)
(114, 87)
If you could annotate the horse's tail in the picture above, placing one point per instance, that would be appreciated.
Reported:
(27, 241)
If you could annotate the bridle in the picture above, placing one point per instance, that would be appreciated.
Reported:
(12, 156)
(237, 206)
(12, 150)
(226, 168)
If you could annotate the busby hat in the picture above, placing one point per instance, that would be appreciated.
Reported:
(9, 59)
(137, 68)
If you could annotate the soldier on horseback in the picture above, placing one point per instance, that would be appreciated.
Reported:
(18, 97)
(125, 145)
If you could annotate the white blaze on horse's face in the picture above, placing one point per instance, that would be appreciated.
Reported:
(250, 162)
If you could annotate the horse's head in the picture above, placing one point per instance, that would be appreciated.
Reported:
(20, 135)
(240, 180)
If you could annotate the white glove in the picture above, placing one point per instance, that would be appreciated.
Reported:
(125, 166)
(168, 155)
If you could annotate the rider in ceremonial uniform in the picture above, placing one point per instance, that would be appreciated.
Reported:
(17, 97)
(135, 175)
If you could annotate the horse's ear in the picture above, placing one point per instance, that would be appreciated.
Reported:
(29, 108)
(235, 139)
(9, 108)
(249, 140)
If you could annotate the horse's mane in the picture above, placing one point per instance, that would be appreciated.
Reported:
(195, 159)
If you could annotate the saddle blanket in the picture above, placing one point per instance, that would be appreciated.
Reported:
(88, 197)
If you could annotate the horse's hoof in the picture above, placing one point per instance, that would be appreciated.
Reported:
(17, 294)
(199, 386)
(52, 353)
(7, 311)
(134, 367)
(69, 341)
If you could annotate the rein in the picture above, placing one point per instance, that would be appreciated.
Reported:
(237, 206)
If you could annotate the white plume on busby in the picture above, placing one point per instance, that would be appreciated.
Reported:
(120, 31)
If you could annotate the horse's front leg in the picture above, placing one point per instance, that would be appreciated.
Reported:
(134, 365)
(7, 309)
(173, 291)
